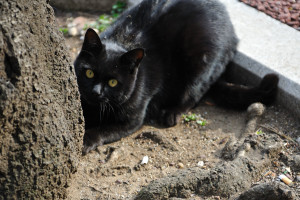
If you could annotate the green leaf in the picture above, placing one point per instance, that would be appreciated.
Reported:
(201, 122)
(192, 117)
(118, 8)
(64, 30)
(259, 131)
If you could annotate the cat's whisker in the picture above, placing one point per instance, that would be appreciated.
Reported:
(108, 107)
(111, 107)
(116, 105)
(103, 108)
(121, 108)
(101, 111)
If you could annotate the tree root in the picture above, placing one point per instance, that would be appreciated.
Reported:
(233, 175)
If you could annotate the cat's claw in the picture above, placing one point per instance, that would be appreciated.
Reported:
(90, 147)
(86, 149)
(91, 141)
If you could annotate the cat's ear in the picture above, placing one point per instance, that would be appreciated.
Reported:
(132, 58)
(92, 42)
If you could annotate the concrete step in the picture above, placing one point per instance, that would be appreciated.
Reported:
(266, 46)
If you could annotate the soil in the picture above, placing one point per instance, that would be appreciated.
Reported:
(114, 171)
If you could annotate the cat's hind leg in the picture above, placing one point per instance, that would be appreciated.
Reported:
(198, 78)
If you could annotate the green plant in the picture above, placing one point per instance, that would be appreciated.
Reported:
(105, 20)
(201, 122)
(259, 131)
(193, 117)
(64, 30)
(118, 8)
(188, 118)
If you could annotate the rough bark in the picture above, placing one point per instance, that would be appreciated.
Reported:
(83, 5)
(41, 123)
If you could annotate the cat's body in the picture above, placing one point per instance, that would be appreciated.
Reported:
(163, 56)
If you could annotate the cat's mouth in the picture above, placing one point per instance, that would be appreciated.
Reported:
(96, 101)
(103, 100)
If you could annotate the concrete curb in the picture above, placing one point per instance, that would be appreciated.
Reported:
(266, 46)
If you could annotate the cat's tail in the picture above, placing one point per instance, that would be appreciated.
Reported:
(240, 97)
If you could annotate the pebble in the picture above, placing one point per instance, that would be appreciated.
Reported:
(145, 160)
(247, 147)
(80, 22)
(73, 31)
(288, 169)
(200, 164)
(180, 165)
(286, 11)
(298, 140)
(298, 178)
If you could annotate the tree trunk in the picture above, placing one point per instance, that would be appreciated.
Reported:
(83, 5)
(41, 123)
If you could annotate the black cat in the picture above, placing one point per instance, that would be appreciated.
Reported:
(154, 63)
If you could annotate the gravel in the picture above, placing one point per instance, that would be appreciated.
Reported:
(286, 11)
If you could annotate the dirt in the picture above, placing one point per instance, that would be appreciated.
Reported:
(113, 171)
(286, 11)
(186, 161)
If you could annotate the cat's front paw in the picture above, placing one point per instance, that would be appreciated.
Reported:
(87, 148)
(170, 119)
(90, 141)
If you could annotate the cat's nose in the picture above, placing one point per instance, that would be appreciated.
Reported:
(97, 89)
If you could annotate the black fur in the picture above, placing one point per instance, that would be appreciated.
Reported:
(240, 97)
(165, 55)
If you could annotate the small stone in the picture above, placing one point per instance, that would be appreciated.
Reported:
(296, 162)
(224, 140)
(288, 169)
(73, 31)
(296, 6)
(200, 164)
(298, 140)
(295, 16)
(261, 7)
(247, 147)
(80, 22)
(102, 161)
(180, 165)
(145, 160)
(298, 178)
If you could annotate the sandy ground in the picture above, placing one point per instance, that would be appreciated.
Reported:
(114, 171)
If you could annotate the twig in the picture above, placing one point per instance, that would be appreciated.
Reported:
(278, 132)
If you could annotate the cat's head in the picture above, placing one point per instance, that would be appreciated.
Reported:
(106, 72)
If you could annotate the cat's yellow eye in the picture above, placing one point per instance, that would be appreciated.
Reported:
(112, 82)
(89, 73)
